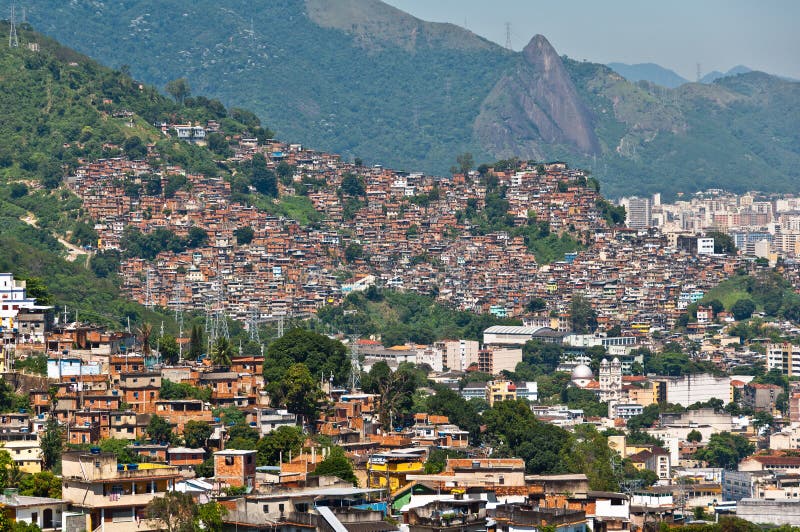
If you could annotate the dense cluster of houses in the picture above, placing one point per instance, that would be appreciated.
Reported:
(412, 232)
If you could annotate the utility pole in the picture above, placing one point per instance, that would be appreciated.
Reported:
(508, 36)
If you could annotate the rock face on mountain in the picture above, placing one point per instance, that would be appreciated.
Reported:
(533, 107)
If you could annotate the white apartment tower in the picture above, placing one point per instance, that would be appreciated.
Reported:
(639, 212)
(12, 298)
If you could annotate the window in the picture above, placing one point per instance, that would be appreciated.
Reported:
(265, 508)
(229, 460)
(280, 507)
(249, 458)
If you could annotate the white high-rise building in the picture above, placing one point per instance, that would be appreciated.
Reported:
(13, 297)
(639, 212)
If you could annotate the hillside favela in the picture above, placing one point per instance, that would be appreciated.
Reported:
(323, 265)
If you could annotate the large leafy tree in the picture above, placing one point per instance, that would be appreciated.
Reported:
(337, 464)
(196, 342)
(322, 356)
(589, 453)
(300, 393)
(209, 516)
(195, 433)
(174, 512)
(584, 317)
(725, 450)
(514, 431)
(168, 346)
(263, 179)
(159, 430)
(43, 484)
(396, 389)
(178, 89)
(51, 443)
(279, 442)
(743, 309)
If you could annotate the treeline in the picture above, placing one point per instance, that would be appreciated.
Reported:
(400, 317)
(136, 244)
(61, 107)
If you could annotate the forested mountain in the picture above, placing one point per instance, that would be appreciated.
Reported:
(57, 109)
(364, 79)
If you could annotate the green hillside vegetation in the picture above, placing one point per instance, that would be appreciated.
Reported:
(400, 317)
(57, 110)
(73, 99)
(61, 107)
(770, 292)
(365, 100)
(347, 77)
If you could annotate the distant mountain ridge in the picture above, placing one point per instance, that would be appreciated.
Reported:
(364, 79)
(714, 75)
(649, 72)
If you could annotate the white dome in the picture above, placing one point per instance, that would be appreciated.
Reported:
(581, 372)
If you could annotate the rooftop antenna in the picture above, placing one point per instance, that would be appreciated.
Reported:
(13, 40)
(508, 36)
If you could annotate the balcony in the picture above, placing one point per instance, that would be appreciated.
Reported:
(81, 497)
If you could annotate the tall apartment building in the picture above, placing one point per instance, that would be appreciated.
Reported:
(784, 357)
(457, 355)
(639, 211)
(13, 298)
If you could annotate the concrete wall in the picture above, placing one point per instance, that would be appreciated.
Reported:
(774, 512)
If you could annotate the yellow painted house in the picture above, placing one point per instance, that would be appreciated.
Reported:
(391, 467)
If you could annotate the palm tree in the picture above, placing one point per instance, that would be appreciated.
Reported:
(144, 333)
(222, 352)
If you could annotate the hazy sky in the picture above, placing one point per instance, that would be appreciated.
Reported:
(677, 34)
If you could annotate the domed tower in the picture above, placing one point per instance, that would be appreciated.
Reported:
(582, 375)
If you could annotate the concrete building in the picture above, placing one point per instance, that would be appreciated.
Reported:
(235, 468)
(44, 512)
(457, 355)
(391, 468)
(500, 391)
(761, 397)
(518, 335)
(784, 357)
(773, 512)
(698, 388)
(270, 419)
(115, 495)
(495, 360)
(13, 297)
(27, 454)
(610, 381)
(639, 212)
